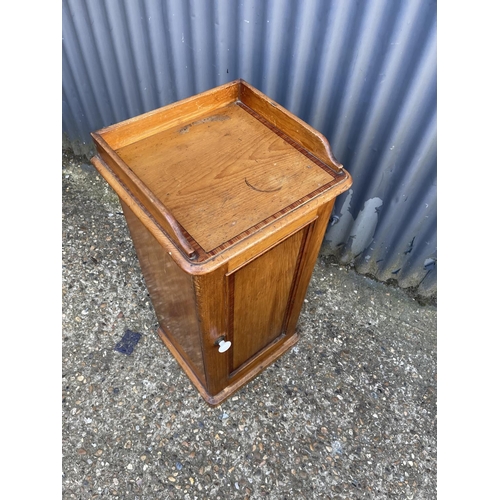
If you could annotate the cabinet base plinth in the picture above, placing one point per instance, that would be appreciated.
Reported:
(237, 384)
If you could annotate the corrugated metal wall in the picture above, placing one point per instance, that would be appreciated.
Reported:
(362, 72)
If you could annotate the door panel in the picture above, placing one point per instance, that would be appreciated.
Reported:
(260, 293)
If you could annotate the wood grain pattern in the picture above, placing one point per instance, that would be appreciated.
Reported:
(172, 294)
(273, 239)
(172, 115)
(315, 238)
(262, 360)
(241, 250)
(186, 367)
(227, 197)
(139, 191)
(294, 127)
(260, 298)
(238, 171)
(235, 220)
(211, 302)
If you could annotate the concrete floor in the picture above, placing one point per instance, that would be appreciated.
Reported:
(348, 413)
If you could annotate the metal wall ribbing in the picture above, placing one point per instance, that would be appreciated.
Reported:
(363, 72)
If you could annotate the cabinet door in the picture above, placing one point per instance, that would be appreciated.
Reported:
(260, 296)
(256, 307)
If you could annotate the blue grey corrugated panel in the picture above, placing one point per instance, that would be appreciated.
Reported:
(361, 72)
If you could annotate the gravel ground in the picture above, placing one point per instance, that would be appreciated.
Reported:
(348, 413)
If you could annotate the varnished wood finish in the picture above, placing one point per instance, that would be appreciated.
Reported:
(264, 359)
(187, 367)
(172, 293)
(273, 239)
(232, 255)
(227, 196)
(251, 174)
(260, 294)
(310, 255)
(141, 192)
(211, 296)
(294, 127)
(177, 114)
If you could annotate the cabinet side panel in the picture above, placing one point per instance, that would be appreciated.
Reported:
(261, 291)
(315, 238)
(172, 294)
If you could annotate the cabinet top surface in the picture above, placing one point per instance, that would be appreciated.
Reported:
(222, 164)
(223, 173)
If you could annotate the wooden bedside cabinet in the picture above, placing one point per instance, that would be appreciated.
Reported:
(227, 197)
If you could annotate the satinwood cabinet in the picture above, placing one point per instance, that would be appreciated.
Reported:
(227, 196)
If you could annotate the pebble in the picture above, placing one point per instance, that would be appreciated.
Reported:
(337, 447)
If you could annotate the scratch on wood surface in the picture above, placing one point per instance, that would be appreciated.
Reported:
(216, 118)
(262, 190)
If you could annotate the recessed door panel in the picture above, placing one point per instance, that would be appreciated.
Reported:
(261, 293)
